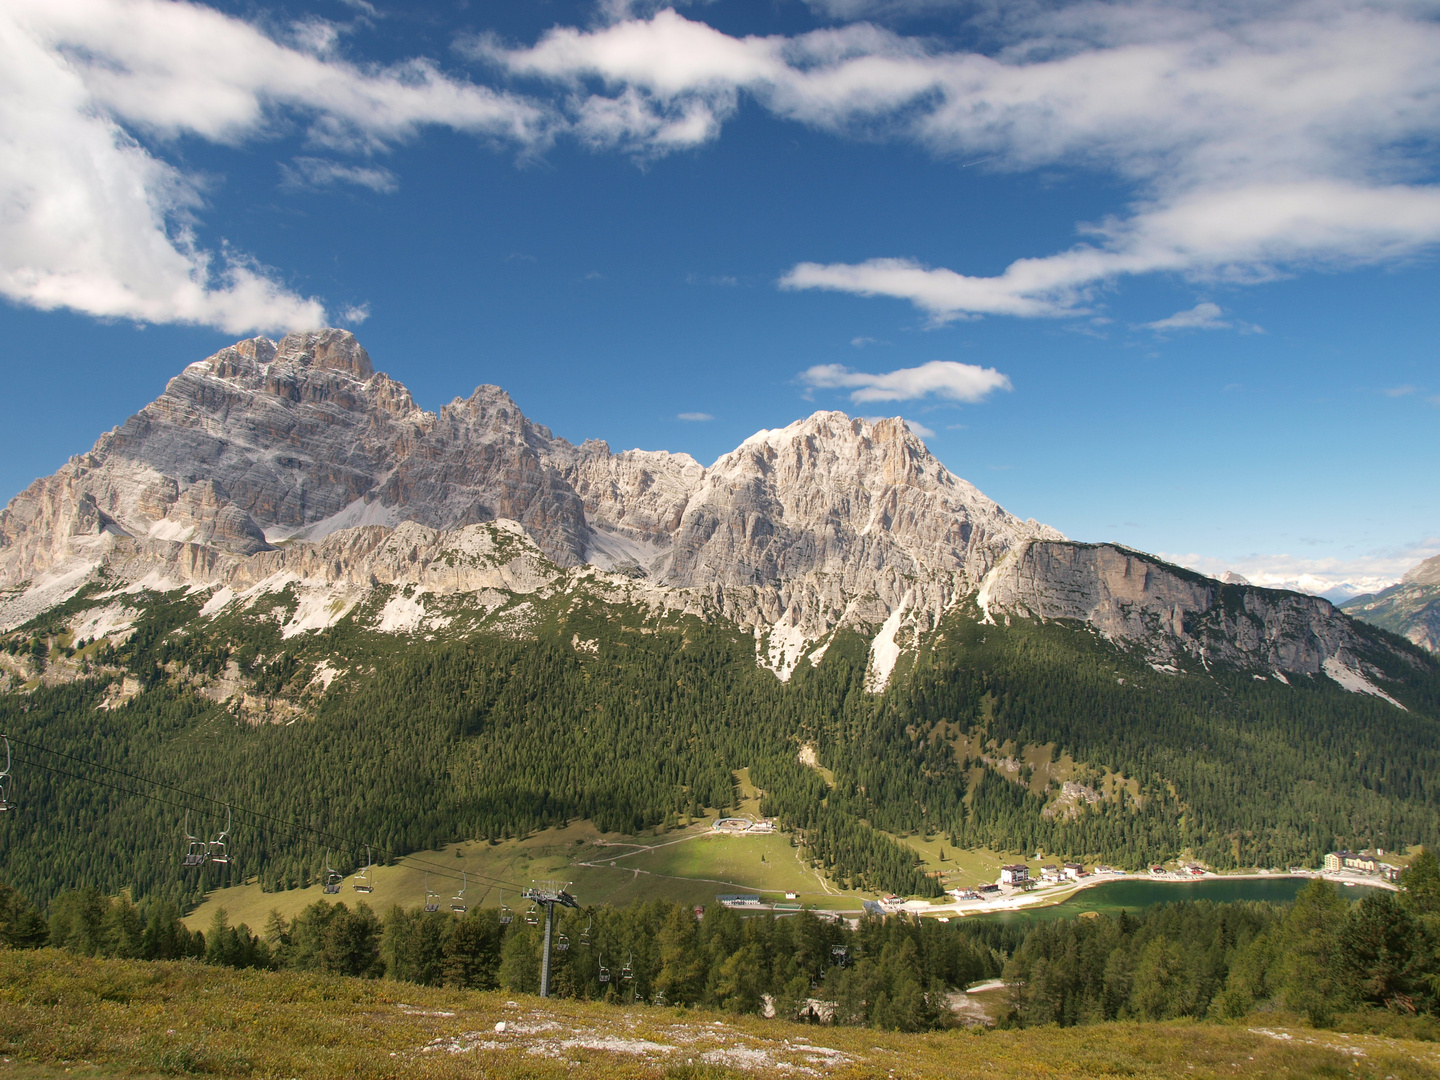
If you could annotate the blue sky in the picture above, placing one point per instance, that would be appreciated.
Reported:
(1160, 273)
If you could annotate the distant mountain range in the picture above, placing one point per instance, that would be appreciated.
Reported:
(285, 584)
(1410, 609)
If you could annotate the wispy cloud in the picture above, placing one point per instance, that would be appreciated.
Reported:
(694, 416)
(943, 378)
(1257, 140)
(1203, 316)
(355, 314)
(1400, 391)
(920, 429)
(321, 173)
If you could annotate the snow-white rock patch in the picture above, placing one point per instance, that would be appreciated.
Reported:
(784, 646)
(885, 650)
(318, 609)
(402, 614)
(102, 622)
(217, 601)
(1355, 682)
(353, 516)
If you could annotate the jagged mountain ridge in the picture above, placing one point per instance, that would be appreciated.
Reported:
(1410, 608)
(830, 521)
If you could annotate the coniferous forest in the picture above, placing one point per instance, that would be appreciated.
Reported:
(1321, 957)
(418, 743)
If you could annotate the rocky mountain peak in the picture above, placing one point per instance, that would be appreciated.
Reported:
(827, 522)
(1425, 573)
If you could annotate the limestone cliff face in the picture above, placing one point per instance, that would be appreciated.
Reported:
(1173, 613)
(266, 442)
(831, 521)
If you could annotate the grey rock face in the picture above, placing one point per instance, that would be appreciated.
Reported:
(828, 522)
(1170, 611)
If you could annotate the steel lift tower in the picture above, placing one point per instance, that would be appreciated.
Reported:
(549, 893)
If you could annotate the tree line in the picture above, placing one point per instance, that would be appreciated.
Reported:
(1321, 957)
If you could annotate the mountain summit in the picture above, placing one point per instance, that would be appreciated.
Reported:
(276, 458)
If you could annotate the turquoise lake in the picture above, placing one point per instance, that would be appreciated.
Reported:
(1132, 894)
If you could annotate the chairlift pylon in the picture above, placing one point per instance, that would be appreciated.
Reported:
(432, 899)
(362, 879)
(215, 850)
(195, 847)
(457, 902)
(333, 878)
(5, 804)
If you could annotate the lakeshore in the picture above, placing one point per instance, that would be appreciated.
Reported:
(1141, 890)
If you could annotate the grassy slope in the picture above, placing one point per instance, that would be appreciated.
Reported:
(135, 1019)
(689, 865)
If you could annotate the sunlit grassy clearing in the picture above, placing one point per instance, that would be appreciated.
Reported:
(139, 1019)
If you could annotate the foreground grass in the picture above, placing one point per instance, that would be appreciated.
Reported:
(132, 1019)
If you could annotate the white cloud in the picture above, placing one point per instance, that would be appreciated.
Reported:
(920, 429)
(1203, 316)
(354, 315)
(694, 416)
(1257, 140)
(97, 222)
(943, 378)
(1400, 391)
(1337, 579)
(321, 173)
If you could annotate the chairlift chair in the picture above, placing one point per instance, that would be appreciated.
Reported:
(507, 916)
(362, 879)
(604, 971)
(562, 942)
(532, 916)
(5, 804)
(215, 849)
(195, 849)
(432, 899)
(585, 934)
(627, 972)
(333, 878)
(457, 902)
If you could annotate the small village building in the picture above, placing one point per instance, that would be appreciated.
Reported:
(988, 891)
(1014, 874)
(1049, 872)
(1074, 871)
(1335, 861)
(792, 896)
